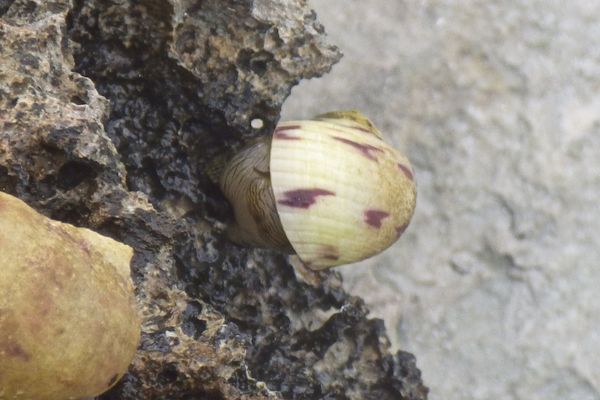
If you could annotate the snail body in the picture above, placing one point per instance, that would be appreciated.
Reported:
(246, 183)
(328, 189)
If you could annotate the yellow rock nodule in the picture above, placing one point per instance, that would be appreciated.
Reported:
(68, 320)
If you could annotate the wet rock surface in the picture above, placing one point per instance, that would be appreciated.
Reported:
(111, 113)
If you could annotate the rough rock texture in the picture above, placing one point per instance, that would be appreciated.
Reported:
(111, 112)
(495, 283)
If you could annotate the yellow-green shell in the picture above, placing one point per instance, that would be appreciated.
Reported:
(342, 194)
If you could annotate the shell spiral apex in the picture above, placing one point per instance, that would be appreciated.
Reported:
(331, 186)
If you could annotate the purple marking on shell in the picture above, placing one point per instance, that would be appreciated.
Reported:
(285, 136)
(374, 217)
(400, 230)
(407, 171)
(303, 198)
(365, 149)
(15, 350)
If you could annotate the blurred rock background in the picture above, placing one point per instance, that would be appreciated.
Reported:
(495, 285)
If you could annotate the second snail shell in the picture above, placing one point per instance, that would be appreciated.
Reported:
(328, 189)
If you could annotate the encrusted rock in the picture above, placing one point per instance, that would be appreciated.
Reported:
(114, 110)
(248, 54)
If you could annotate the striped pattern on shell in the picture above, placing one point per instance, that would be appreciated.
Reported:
(342, 194)
(246, 183)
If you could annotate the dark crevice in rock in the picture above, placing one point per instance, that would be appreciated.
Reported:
(4, 6)
(72, 173)
(8, 182)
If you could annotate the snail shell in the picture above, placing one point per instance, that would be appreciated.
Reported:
(329, 189)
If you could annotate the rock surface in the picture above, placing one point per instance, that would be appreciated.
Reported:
(111, 112)
(495, 283)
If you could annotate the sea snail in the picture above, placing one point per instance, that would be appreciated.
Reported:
(328, 189)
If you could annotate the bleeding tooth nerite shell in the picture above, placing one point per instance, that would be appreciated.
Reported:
(338, 191)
